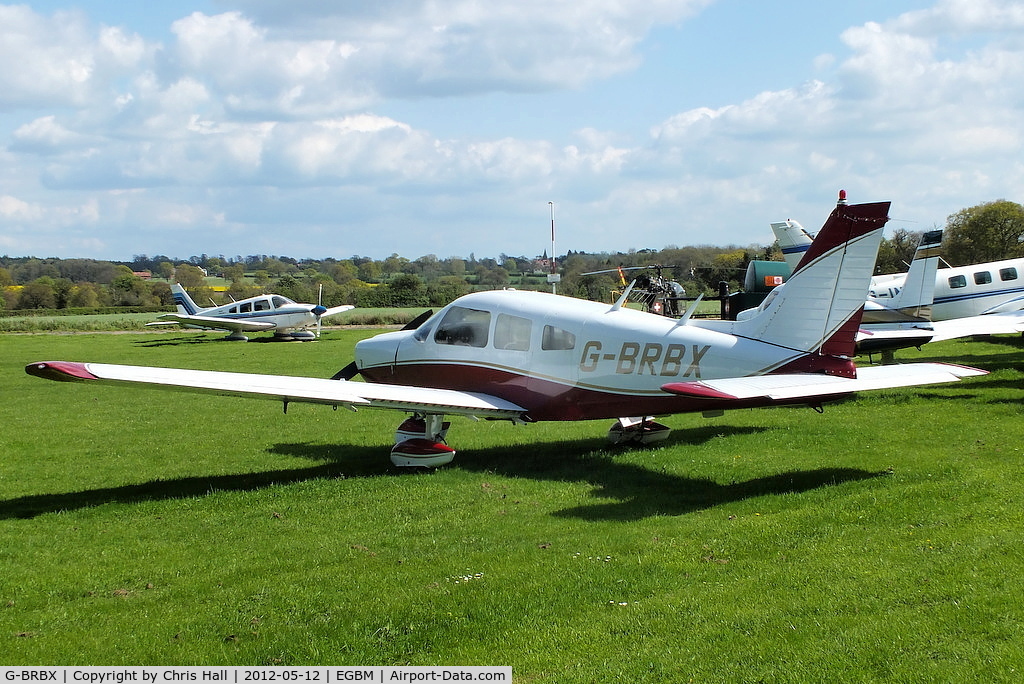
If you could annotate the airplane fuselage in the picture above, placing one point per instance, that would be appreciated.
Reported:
(964, 291)
(563, 358)
(280, 311)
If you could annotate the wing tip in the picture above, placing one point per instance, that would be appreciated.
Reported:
(61, 371)
(695, 389)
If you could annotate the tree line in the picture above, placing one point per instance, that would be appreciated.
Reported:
(987, 232)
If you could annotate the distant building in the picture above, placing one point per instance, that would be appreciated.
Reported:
(145, 275)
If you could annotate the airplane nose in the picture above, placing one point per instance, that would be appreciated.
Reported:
(378, 352)
(318, 310)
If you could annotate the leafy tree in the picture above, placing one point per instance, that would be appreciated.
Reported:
(896, 253)
(161, 292)
(165, 270)
(370, 271)
(128, 290)
(407, 290)
(446, 289)
(344, 271)
(987, 232)
(37, 295)
(62, 288)
(87, 295)
(234, 273)
(190, 277)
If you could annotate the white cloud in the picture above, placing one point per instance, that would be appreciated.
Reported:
(276, 115)
(60, 59)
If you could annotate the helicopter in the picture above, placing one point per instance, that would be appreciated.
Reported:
(654, 291)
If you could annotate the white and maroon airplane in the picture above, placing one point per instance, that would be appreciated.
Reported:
(532, 356)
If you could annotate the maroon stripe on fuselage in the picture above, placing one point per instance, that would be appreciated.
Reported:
(549, 400)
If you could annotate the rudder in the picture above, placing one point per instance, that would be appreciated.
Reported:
(818, 310)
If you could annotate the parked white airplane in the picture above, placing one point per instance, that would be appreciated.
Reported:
(286, 318)
(960, 292)
(533, 356)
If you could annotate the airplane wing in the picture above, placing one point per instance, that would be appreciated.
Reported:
(285, 388)
(876, 337)
(214, 322)
(986, 324)
(813, 385)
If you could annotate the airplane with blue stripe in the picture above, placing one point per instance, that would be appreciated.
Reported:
(268, 312)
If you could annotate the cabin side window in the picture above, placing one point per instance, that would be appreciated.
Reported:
(982, 278)
(557, 339)
(465, 327)
(1008, 273)
(512, 332)
(233, 309)
(261, 305)
(245, 307)
(957, 281)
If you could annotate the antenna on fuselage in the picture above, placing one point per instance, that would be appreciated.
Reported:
(623, 297)
(685, 318)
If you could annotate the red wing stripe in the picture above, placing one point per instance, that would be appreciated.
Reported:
(695, 389)
(62, 371)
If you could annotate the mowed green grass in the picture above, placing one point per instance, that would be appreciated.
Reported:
(880, 541)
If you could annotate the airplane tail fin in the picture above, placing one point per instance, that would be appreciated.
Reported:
(918, 291)
(186, 306)
(818, 310)
(793, 239)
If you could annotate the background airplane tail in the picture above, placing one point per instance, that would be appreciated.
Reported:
(793, 239)
(819, 308)
(186, 306)
(918, 291)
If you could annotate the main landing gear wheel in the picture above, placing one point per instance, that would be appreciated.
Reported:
(644, 430)
(419, 442)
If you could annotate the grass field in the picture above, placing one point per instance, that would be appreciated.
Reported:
(880, 541)
(138, 321)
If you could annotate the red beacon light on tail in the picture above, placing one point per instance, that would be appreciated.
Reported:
(842, 197)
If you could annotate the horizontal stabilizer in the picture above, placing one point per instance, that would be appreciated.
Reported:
(285, 388)
(813, 385)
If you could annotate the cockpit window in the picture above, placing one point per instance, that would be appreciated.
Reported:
(556, 338)
(462, 326)
(512, 332)
(280, 301)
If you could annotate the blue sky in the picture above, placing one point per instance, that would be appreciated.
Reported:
(315, 129)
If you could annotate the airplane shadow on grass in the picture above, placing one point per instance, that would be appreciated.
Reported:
(199, 338)
(640, 492)
(209, 338)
